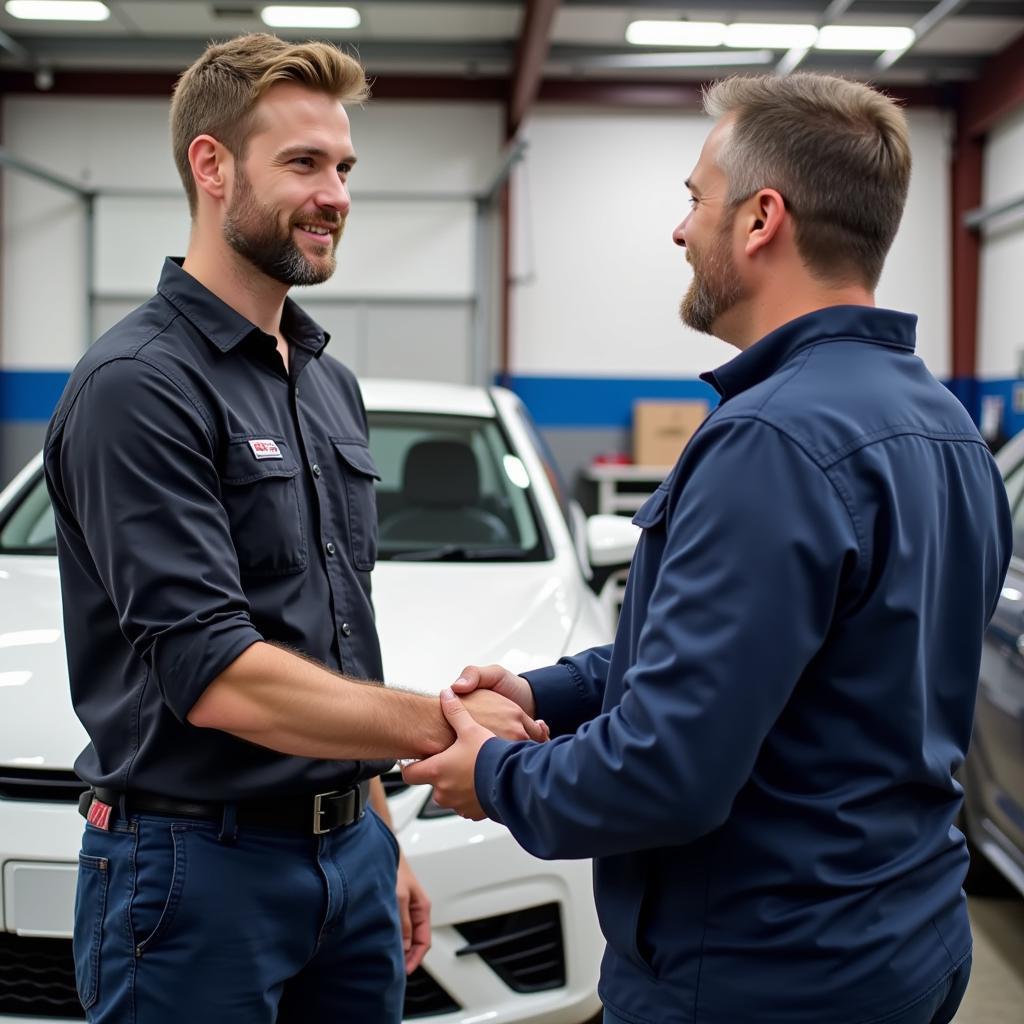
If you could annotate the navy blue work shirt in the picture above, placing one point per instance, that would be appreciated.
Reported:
(762, 762)
(206, 499)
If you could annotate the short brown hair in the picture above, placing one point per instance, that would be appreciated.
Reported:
(218, 93)
(837, 152)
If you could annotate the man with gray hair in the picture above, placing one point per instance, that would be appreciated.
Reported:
(762, 763)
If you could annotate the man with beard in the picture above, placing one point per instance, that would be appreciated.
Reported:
(762, 763)
(213, 493)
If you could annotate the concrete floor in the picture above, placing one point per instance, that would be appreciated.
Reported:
(996, 992)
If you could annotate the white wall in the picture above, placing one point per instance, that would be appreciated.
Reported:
(393, 250)
(599, 278)
(1000, 337)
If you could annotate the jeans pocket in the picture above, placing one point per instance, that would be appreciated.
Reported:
(160, 879)
(90, 909)
(389, 835)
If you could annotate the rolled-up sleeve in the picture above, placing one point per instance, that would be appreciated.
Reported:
(757, 547)
(137, 474)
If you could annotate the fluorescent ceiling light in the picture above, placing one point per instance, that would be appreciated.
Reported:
(676, 33)
(746, 35)
(717, 59)
(57, 10)
(281, 16)
(864, 37)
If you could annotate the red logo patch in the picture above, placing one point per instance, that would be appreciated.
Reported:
(99, 814)
(265, 449)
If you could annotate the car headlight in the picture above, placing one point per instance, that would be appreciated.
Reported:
(431, 809)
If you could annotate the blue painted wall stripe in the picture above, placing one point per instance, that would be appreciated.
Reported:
(599, 401)
(30, 396)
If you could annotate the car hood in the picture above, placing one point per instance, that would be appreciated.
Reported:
(38, 728)
(433, 619)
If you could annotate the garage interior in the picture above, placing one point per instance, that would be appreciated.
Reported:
(521, 170)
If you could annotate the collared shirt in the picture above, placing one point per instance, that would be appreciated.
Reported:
(763, 762)
(206, 499)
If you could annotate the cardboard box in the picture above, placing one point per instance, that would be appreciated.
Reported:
(661, 430)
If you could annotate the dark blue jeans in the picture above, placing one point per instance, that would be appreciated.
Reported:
(937, 1006)
(175, 926)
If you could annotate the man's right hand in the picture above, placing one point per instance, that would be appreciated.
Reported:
(504, 717)
(500, 680)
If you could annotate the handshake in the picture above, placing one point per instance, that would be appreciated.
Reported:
(482, 704)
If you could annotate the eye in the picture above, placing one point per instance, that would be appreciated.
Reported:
(693, 200)
(304, 161)
(344, 168)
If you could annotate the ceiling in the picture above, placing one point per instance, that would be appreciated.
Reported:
(572, 39)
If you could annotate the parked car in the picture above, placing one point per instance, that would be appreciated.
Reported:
(993, 774)
(487, 563)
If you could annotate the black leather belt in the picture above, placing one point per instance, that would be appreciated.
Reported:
(315, 814)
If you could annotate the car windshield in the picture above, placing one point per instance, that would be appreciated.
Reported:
(450, 490)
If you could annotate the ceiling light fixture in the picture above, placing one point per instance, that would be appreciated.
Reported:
(57, 10)
(282, 16)
(864, 37)
(678, 59)
(675, 33)
(745, 35)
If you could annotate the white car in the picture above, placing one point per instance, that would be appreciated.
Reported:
(490, 565)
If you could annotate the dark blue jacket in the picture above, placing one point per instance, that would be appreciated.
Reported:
(762, 764)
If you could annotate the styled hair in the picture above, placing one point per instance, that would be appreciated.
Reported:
(217, 95)
(837, 152)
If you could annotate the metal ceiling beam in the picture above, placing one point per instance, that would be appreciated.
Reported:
(923, 28)
(11, 45)
(890, 8)
(998, 91)
(531, 55)
(795, 57)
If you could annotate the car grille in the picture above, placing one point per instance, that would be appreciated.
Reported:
(425, 998)
(525, 949)
(393, 782)
(40, 784)
(37, 979)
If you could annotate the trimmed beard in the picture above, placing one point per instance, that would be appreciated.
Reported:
(716, 286)
(251, 229)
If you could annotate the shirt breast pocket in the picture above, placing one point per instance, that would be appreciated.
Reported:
(260, 495)
(651, 514)
(359, 471)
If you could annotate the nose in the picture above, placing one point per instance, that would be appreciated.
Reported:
(334, 195)
(679, 235)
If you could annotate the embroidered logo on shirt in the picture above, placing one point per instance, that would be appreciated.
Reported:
(265, 450)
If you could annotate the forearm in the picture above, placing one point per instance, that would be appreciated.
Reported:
(280, 700)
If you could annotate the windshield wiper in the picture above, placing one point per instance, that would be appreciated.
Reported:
(458, 553)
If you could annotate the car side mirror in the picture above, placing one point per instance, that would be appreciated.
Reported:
(611, 540)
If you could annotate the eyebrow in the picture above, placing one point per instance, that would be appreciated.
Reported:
(691, 187)
(293, 151)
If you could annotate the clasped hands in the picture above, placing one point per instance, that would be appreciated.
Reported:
(480, 704)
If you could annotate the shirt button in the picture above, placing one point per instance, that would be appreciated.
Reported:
(346, 629)
(316, 470)
(330, 547)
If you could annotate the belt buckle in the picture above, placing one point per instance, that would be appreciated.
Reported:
(318, 811)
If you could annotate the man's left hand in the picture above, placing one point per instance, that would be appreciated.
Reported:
(451, 772)
(414, 915)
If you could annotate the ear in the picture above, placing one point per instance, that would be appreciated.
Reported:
(764, 214)
(212, 165)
